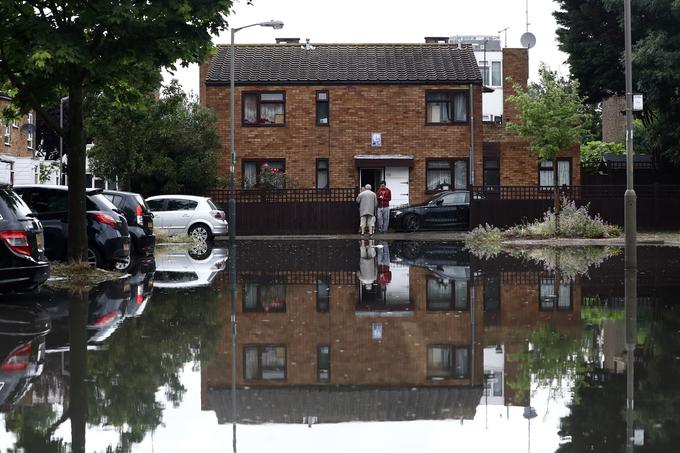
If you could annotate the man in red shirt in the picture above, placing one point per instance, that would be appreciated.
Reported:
(384, 197)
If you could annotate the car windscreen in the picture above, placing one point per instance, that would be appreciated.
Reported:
(14, 203)
(99, 202)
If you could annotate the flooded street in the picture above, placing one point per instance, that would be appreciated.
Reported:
(343, 346)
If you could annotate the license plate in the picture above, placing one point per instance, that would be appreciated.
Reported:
(149, 224)
(39, 241)
(126, 247)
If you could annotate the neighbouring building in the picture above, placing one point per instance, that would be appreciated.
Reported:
(346, 115)
(19, 163)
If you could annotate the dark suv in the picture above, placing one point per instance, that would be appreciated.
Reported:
(22, 259)
(139, 219)
(108, 239)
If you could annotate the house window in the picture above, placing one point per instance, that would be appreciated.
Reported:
(441, 173)
(322, 108)
(448, 362)
(264, 362)
(6, 138)
(264, 297)
(493, 383)
(29, 139)
(323, 362)
(563, 173)
(322, 174)
(496, 79)
(323, 294)
(15, 124)
(264, 109)
(548, 300)
(253, 170)
(447, 294)
(492, 173)
(445, 107)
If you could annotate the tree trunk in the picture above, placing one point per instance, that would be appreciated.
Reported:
(78, 367)
(556, 195)
(77, 235)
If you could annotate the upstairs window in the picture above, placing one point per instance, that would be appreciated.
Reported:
(491, 73)
(6, 134)
(446, 107)
(264, 109)
(322, 108)
(29, 139)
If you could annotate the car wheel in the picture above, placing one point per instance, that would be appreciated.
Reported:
(411, 222)
(94, 258)
(125, 264)
(200, 232)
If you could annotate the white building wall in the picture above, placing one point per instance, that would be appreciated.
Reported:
(492, 103)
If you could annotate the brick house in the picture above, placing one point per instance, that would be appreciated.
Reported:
(344, 115)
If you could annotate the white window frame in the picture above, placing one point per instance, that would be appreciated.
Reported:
(30, 137)
(15, 123)
(6, 135)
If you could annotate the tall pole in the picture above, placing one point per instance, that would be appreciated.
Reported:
(61, 140)
(232, 147)
(630, 199)
(630, 203)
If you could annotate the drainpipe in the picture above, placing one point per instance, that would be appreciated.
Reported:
(472, 136)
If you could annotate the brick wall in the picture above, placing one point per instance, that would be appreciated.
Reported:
(18, 144)
(356, 111)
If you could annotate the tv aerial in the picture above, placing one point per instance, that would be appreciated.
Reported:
(528, 39)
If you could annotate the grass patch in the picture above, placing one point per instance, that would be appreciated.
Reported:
(76, 275)
(164, 238)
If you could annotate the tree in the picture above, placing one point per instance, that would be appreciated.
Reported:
(551, 118)
(174, 147)
(592, 34)
(592, 154)
(52, 49)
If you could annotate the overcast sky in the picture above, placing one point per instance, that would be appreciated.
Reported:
(385, 21)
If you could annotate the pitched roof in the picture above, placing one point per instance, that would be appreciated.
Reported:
(286, 64)
(336, 404)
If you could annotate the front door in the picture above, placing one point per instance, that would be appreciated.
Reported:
(396, 179)
(371, 176)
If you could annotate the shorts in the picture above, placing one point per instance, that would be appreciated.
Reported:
(367, 221)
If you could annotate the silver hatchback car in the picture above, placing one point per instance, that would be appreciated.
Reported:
(187, 214)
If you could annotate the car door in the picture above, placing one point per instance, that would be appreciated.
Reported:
(157, 207)
(447, 210)
(179, 213)
(51, 208)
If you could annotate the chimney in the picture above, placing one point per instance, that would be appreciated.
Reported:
(436, 39)
(287, 40)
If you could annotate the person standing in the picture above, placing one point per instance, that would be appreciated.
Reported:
(384, 197)
(368, 203)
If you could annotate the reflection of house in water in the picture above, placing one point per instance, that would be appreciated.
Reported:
(332, 349)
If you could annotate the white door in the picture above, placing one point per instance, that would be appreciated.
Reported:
(396, 179)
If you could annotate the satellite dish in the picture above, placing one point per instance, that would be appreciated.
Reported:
(528, 40)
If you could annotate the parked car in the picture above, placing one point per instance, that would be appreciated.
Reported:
(107, 230)
(23, 264)
(139, 219)
(191, 269)
(187, 214)
(450, 209)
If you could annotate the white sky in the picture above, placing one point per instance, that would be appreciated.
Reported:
(374, 21)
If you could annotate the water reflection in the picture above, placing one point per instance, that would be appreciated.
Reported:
(530, 349)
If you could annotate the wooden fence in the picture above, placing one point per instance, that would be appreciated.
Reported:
(658, 206)
(292, 211)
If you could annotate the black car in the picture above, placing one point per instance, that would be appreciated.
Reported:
(107, 230)
(449, 209)
(23, 264)
(139, 219)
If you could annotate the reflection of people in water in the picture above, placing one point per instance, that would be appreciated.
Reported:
(368, 270)
(384, 273)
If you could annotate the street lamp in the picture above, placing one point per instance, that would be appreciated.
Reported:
(276, 25)
(61, 139)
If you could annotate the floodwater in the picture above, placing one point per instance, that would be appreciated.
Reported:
(349, 346)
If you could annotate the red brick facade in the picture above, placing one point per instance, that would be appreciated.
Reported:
(18, 141)
(397, 112)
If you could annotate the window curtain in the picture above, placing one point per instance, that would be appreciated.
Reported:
(322, 179)
(439, 361)
(249, 175)
(438, 108)
(546, 174)
(461, 295)
(461, 174)
(563, 176)
(438, 174)
(496, 73)
(438, 294)
(268, 113)
(460, 107)
(547, 293)
(251, 363)
(250, 108)
(564, 300)
(273, 363)
(462, 362)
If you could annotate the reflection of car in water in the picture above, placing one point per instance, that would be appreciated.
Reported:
(107, 306)
(193, 268)
(141, 285)
(430, 254)
(22, 347)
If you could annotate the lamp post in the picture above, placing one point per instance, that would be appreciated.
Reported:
(61, 139)
(276, 25)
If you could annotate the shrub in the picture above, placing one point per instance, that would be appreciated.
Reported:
(484, 241)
